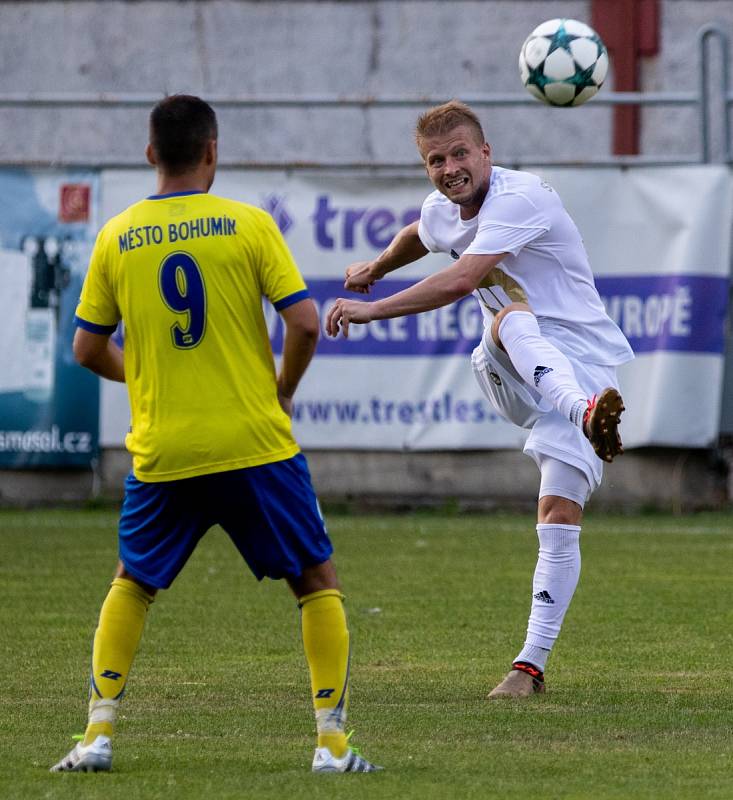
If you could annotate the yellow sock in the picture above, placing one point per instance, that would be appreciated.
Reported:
(120, 627)
(326, 642)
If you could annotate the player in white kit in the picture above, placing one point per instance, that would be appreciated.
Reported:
(549, 351)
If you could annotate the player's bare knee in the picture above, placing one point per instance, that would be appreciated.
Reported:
(555, 510)
(315, 578)
(500, 316)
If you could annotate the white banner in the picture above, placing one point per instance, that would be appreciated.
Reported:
(658, 240)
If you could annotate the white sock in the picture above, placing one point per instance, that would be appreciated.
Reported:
(542, 365)
(555, 578)
(536, 656)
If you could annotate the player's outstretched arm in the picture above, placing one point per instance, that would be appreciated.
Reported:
(100, 354)
(405, 248)
(439, 289)
(302, 329)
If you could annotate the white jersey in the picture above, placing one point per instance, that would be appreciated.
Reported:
(546, 264)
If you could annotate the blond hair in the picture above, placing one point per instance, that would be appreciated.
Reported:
(442, 119)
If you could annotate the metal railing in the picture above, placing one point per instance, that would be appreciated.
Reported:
(704, 35)
(707, 89)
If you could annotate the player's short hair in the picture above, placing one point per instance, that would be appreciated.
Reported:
(180, 127)
(442, 119)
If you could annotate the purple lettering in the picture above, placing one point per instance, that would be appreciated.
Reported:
(410, 215)
(322, 217)
(351, 217)
(378, 227)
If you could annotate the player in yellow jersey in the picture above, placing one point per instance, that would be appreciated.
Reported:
(210, 438)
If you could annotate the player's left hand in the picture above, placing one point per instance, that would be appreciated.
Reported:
(343, 312)
(359, 277)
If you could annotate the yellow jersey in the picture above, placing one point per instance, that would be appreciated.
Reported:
(186, 273)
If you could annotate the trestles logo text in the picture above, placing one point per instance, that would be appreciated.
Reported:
(344, 228)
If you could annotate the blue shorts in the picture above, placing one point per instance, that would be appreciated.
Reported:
(270, 513)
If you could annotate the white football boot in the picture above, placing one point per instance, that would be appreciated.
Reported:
(325, 761)
(95, 757)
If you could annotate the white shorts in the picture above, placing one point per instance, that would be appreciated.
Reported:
(550, 433)
(561, 480)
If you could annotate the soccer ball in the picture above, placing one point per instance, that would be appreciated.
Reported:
(563, 62)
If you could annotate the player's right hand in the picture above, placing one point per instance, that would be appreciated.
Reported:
(359, 277)
(286, 403)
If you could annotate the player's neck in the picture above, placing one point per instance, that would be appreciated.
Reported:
(188, 182)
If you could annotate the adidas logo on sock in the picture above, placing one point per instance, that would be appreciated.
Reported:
(539, 371)
(544, 597)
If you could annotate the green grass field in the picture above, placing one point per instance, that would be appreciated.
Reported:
(640, 689)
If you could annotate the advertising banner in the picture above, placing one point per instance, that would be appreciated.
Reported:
(658, 240)
(49, 406)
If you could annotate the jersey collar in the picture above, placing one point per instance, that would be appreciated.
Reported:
(174, 194)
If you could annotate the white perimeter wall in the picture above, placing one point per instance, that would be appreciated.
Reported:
(384, 47)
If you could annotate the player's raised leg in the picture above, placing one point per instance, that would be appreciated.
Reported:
(121, 622)
(550, 373)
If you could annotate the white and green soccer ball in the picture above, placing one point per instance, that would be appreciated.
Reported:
(563, 62)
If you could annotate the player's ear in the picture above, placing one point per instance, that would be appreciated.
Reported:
(150, 155)
(211, 152)
(486, 147)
